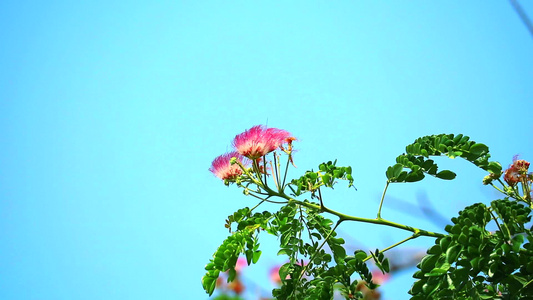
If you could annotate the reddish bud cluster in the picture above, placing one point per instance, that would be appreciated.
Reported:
(517, 172)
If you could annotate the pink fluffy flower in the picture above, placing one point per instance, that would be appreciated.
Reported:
(259, 141)
(223, 169)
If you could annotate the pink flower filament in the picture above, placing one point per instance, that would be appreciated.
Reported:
(223, 169)
(259, 141)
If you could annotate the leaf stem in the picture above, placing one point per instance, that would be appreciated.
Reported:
(500, 190)
(382, 198)
(320, 247)
(286, 170)
(257, 205)
(413, 236)
(265, 199)
(498, 224)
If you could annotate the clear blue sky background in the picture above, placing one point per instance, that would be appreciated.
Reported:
(111, 112)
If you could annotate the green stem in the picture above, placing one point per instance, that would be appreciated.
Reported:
(265, 199)
(306, 226)
(382, 198)
(344, 217)
(525, 191)
(499, 228)
(414, 236)
(320, 247)
(500, 190)
(286, 170)
(278, 171)
(257, 205)
(250, 175)
(384, 222)
(275, 173)
(501, 182)
(258, 170)
(320, 198)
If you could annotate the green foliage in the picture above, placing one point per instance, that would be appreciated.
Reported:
(225, 258)
(243, 241)
(416, 158)
(312, 272)
(474, 263)
(468, 262)
(326, 176)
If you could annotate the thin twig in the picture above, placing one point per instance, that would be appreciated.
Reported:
(523, 16)
(382, 198)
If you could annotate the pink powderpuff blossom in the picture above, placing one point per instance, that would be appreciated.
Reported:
(259, 141)
(223, 169)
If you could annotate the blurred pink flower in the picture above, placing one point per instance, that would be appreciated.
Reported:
(223, 169)
(380, 278)
(274, 275)
(259, 141)
(241, 264)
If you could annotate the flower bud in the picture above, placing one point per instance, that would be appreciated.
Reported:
(487, 179)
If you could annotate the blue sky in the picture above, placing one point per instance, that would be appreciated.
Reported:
(113, 111)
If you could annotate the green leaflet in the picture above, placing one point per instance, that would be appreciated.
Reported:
(415, 163)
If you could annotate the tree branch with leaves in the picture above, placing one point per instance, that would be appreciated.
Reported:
(467, 261)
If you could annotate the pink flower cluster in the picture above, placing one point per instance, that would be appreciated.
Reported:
(259, 141)
(252, 144)
(222, 168)
(517, 172)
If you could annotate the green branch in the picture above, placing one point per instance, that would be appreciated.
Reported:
(344, 217)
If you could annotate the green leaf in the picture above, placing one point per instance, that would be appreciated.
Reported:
(435, 249)
(452, 253)
(360, 255)
(257, 254)
(475, 262)
(417, 288)
(457, 138)
(463, 239)
(517, 242)
(249, 256)
(436, 272)
(478, 149)
(428, 263)
(396, 170)
(285, 251)
(494, 167)
(338, 253)
(326, 223)
(231, 274)
(209, 284)
(385, 265)
(326, 178)
(446, 174)
(414, 177)
(445, 242)
(284, 271)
